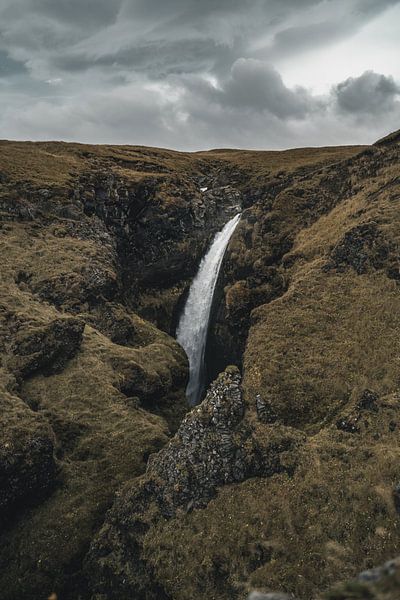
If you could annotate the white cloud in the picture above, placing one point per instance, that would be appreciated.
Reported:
(56, 81)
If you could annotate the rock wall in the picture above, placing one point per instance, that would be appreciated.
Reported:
(162, 227)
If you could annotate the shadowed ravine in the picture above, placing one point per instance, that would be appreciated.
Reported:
(194, 322)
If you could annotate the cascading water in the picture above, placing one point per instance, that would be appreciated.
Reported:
(194, 322)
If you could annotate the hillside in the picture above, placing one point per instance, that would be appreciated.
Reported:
(285, 477)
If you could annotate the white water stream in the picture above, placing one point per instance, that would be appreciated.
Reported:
(194, 322)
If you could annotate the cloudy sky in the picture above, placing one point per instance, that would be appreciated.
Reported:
(194, 74)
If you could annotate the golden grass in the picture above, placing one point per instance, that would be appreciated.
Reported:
(103, 437)
(310, 352)
(58, 163)
(299, 535)
(262, 163)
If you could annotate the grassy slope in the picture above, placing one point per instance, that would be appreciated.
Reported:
(45, 163)
(336, 514)
(266, 163)
(334, 332)
(57, 162)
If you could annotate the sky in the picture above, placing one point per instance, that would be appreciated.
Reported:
(200, 74)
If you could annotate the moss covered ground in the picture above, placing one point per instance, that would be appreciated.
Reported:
(89, 389)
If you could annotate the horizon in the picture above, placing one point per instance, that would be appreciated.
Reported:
(201, 151)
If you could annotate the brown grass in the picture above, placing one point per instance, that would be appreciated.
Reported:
(310, 352)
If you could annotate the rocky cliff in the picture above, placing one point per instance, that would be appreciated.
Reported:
(285, 477)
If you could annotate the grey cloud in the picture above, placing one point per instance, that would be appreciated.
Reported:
(185, 113)
(325, 27)
(157, 59)
(182, 73)
(167, 36)
(308, 36)
(371, 8)
(168, 8)
(98, 117)
(369, 93)
(256, 85)
(10, 67)
(82, 13)
(254, 99)
(79, 13)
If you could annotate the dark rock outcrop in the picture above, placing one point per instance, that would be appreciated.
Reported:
(162, 226)
(70, 291)
(378, 583)
(213, 447)
(351, 420)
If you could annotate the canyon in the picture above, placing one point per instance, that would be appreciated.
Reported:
(285, 477)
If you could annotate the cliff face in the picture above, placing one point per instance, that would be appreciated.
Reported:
(162, 225)
(285, 477)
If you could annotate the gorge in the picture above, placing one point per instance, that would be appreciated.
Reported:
(285, 476)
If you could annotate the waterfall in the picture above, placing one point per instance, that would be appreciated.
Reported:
(194, 322)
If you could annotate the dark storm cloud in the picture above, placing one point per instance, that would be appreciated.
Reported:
(172, 35)
(308, 36)
(10, 67)
(329, 26)
(257, 86)
(369, 93)
(183, 73)
(80, 13)
(371, 8)
(156, 59)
